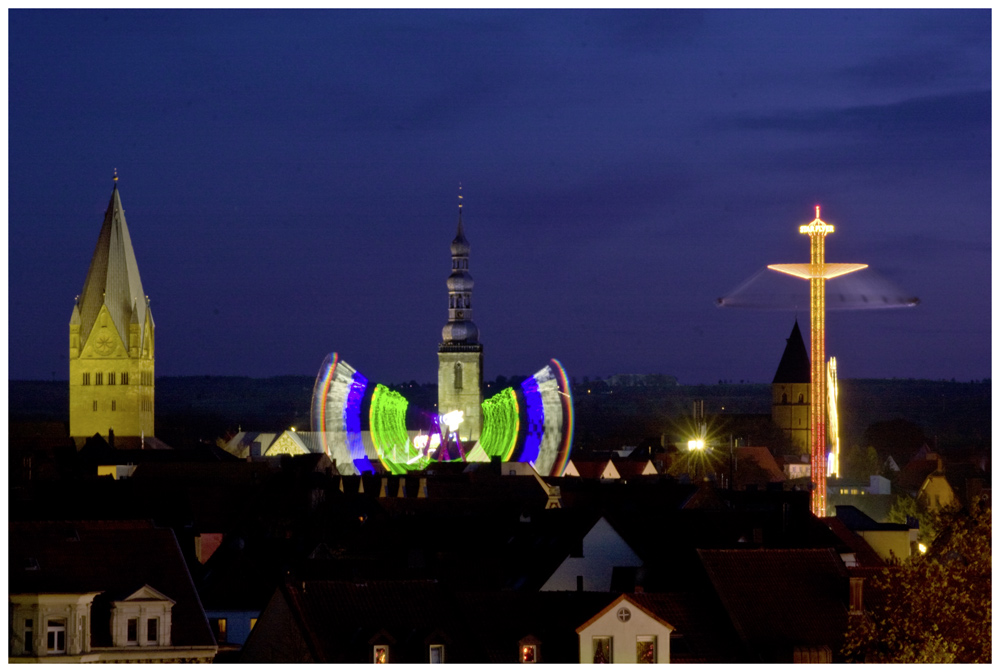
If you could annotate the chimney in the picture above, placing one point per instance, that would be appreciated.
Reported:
(111, 437)
(856, 603)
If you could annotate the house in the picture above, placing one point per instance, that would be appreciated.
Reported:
(787, 605)
(592, 566)
(894, 542)
(391, 621)
(625, 631)
(102, 592)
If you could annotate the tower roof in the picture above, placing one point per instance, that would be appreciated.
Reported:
(794, 365)
(460, 246)
(113, 276)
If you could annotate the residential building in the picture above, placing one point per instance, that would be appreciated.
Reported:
(102, 591)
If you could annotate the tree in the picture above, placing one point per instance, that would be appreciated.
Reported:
(905, 507)
(936, 607)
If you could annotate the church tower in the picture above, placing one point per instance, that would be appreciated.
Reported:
(790, 391)
(460, 355)
(111, 340)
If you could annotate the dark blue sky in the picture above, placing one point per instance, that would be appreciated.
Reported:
(290, 182)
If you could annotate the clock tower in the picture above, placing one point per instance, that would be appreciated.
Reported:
(111, 361)
(460, 354)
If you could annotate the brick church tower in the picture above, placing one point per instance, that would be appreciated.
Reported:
(790, 391)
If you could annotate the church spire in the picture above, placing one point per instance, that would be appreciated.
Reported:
(460, 328)
(113, 277)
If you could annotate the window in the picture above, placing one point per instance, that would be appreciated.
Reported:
(801, 399)
(152, 630)
(784, 398)
(219, 630)
(29, 635)
(437, 653)
(458, 375)
(124, 378)
(98, 379)
(132, 631)
(111, 378)
(114, 405)
(95, 404)
(645, 649)
(56, 636)
(602, 649)
(86, 379)
(381, 654)
(529, 653)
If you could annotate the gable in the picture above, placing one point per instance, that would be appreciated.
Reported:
(104, 341)
(287, 444)
(609, 617)
(148, 593)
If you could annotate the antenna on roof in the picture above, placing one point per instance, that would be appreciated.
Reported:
(116, 176)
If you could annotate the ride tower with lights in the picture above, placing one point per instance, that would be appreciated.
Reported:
(817, 271)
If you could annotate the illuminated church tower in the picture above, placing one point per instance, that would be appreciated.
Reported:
(460, 355)
(111, 340)
(790, 391)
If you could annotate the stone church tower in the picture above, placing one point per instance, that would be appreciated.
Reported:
(790, 391)
(460, 355)
(111, 340)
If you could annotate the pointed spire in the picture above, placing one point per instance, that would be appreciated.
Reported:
(113, 277)
(794, 365)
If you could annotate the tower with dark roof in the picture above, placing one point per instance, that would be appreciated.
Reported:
(790, 391)
(460, 354)
(111, 362)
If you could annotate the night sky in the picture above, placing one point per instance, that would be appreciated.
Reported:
(290, 183)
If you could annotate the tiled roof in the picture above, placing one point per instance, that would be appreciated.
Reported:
(114, 557)
(113, 277)
(781, 598)
(762, 457)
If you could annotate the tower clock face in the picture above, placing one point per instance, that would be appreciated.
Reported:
(104, 345)
(459, 314)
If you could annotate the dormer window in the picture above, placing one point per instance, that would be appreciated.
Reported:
(56, 636)
(529, 653)
(142, 619)
(380, 654)
(132, 632)
(437, 653)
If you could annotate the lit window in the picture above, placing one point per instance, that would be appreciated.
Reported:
(152, 630)
(437, 653)
(645, 649)
(219, 629)
(29, 635)
(529, 653)
(381, 654)
(602, 649)
(56, 636)
(132, 631)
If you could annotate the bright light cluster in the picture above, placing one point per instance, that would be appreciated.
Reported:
(500, 424)
(533, 424)
(387, 420)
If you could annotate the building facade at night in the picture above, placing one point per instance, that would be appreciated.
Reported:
(460, 354)
(111, 342)
(790, 391)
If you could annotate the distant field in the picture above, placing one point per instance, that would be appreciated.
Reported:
(206, 407)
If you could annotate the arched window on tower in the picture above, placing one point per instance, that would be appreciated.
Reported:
(458, 375)
(468, 301)
(784, 398)
(802, 399)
